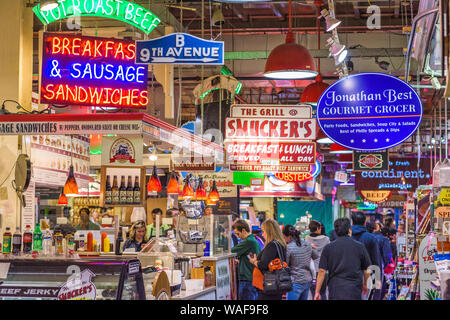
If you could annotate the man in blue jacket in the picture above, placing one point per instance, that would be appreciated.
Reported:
(360, 233)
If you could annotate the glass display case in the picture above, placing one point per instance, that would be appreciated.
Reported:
(99, 278)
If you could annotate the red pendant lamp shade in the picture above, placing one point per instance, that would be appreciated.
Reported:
(200, 193)
(290, 61)
(188, 192)
(214, 193)
(336, 148)
(172, 186)
(63, 199)
(71, 187)
(313, 91)
(154, 184)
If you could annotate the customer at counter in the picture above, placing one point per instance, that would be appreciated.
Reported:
(85, 221)
(151, 229)
(137, 236)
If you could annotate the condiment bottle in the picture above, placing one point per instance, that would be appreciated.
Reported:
(106, 244)
(102, 243)
(90, 242)
(59, 243)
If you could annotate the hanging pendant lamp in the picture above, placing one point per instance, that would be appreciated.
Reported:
(172, 186)
(71, 187)
(214, 193)
(313, 91)
(188, 192)
(200, 193)
(290, 60)
(154, 184)
(63, 199)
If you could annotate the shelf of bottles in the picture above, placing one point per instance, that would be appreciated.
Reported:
(122, 186)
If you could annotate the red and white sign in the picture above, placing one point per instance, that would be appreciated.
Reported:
(270, 129)
(79, 286)
(270, 111)
(255, 152)
(270, 168)
(122, 151)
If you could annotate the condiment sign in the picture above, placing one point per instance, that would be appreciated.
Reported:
(256, 152)
(372, 160)
(375, 196)
(122, 10)
(180, 48)
(270, 111)
(444, 197)
(369, 111)
(402, 175)
(91, 71)
(442, 212)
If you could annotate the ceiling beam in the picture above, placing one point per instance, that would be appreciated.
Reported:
(277, 11)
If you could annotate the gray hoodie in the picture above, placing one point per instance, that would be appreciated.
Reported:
(319, 242)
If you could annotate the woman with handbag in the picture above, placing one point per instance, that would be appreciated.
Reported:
(299, 257)
(271, 276)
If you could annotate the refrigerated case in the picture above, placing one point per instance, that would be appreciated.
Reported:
(117, 278)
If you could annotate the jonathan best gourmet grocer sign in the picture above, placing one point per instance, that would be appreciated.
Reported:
(369, 111)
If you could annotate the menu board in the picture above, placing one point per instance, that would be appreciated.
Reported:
(51, 156)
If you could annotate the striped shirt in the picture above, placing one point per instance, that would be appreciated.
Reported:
(299, 261)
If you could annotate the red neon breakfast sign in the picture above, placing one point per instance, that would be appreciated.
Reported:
(92, 71)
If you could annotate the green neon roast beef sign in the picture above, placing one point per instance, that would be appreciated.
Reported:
(125, 11)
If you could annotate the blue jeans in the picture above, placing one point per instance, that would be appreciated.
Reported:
(299, 291)
(247, 291)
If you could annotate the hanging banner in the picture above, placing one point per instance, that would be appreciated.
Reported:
(92, 71)
(394, 201)
(369, 111)
(402, 175)
(180, 48)
(375, 196)
(192, 164)
(121, 10)
(120, 151)
(444, 197)
(372, 160)
(427, 267)
(264, 152)
(224, 183)
(270, 111)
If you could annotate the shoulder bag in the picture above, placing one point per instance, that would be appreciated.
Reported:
(279, 280)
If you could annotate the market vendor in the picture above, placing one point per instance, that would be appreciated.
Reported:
(137, 236)
(151, 229)
(85, 221)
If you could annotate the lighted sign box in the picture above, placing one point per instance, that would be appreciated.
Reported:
(91, 71)
(121, 10)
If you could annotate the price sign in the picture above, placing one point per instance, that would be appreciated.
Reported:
(443, 212)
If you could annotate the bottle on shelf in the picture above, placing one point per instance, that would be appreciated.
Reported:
(115, 191)
(90, 242)
(122, 191)
(47, 242)
(59, 243)
(81, 243)
(106, 245)
(136, 191)
(130, 193)
(37, 238)
(17, 242)
(119, 240)
(7, 239)
(108, 191)
(27, 240)
(70, 249)
(102, 242)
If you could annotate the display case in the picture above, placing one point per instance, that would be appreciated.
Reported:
(99, 278)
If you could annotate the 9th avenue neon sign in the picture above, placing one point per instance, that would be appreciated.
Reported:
(121, 10)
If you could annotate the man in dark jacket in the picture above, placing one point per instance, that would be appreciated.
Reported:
(248, 246)
(347, 263)
(359, 233)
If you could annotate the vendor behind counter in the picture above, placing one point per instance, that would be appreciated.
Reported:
(151, 229)
(85, 221)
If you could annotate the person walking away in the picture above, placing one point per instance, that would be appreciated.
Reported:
(347, 262)
(359, 233)
(318, 241)
(271, 233)
(248, 246)
(390, 232)
(385, 252)
(299, 257)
